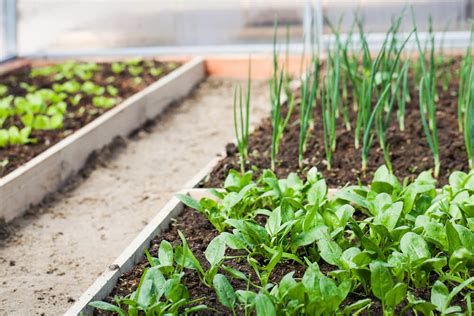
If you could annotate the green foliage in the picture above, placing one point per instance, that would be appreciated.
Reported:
(276, 84)
(103, 102)
(242, 129)
(66, 85)
(135, 70)
(404, 236)
(15, 136)
(161, 290)
(118, 68)
(156, 71)
(309, 89)
(3, 90)
(428, 95)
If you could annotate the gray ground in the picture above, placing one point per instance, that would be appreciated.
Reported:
(57, 252)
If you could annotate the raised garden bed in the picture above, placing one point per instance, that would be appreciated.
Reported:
(276, 238)
(56, 100)
(87, 126)
(354, 226)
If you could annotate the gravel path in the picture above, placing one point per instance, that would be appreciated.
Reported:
(59, 249)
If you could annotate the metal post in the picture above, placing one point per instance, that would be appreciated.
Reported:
(313, 24)
(10, 28)
(308, 23)
(318, 14)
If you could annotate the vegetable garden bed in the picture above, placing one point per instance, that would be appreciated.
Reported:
(83, 127)
(48, 103)
(409, 148)
(276, 240)
(293, 232)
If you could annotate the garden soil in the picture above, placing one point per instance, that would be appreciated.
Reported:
(52, 255)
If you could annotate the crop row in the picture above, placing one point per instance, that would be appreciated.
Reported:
(56, 98)
(374, 88)
(390, 247)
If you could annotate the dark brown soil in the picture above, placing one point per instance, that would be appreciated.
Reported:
(75, 118)
(199, 232)
(409, 149)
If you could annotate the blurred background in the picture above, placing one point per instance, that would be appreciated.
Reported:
(62, 27)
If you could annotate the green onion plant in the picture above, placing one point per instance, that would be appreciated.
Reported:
(469, 118)
(242, 128)
(309, 89)
(428, 94)
(404, 97)
(464, 74)
(276, 83)
(367, 112)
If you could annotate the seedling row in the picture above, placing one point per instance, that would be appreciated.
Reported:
(408, 106)
(39, 106)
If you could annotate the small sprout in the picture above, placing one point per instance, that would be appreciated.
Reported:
(103, 102)
(135, 70)
(27, 87)
(81, 111)
(133, 61)
(155, 72)
(75, 99)
(4, 163)
(90, 88)
(137, 80)
(3, 90)
(112, 90)
(118, 68)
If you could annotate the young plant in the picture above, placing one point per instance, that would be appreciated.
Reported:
(215, 255)
(161, 290)
(225, 292)
(441, 297)
(15, 136)
(3, 90)
(368, 114)
(464, 76)
(242, 129)
(278, 122)
(382, 120)
(315, 294)
(336, 64)
(428, 95)
(135, 70)
(118, 67)
(333, 94)
(103, 102)
(404, 97)
(469, 123)
(383, 288)
(308, 96)
(156, 71)
(239, 190)
(428, 120)
(91, 88)
(329, 123)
